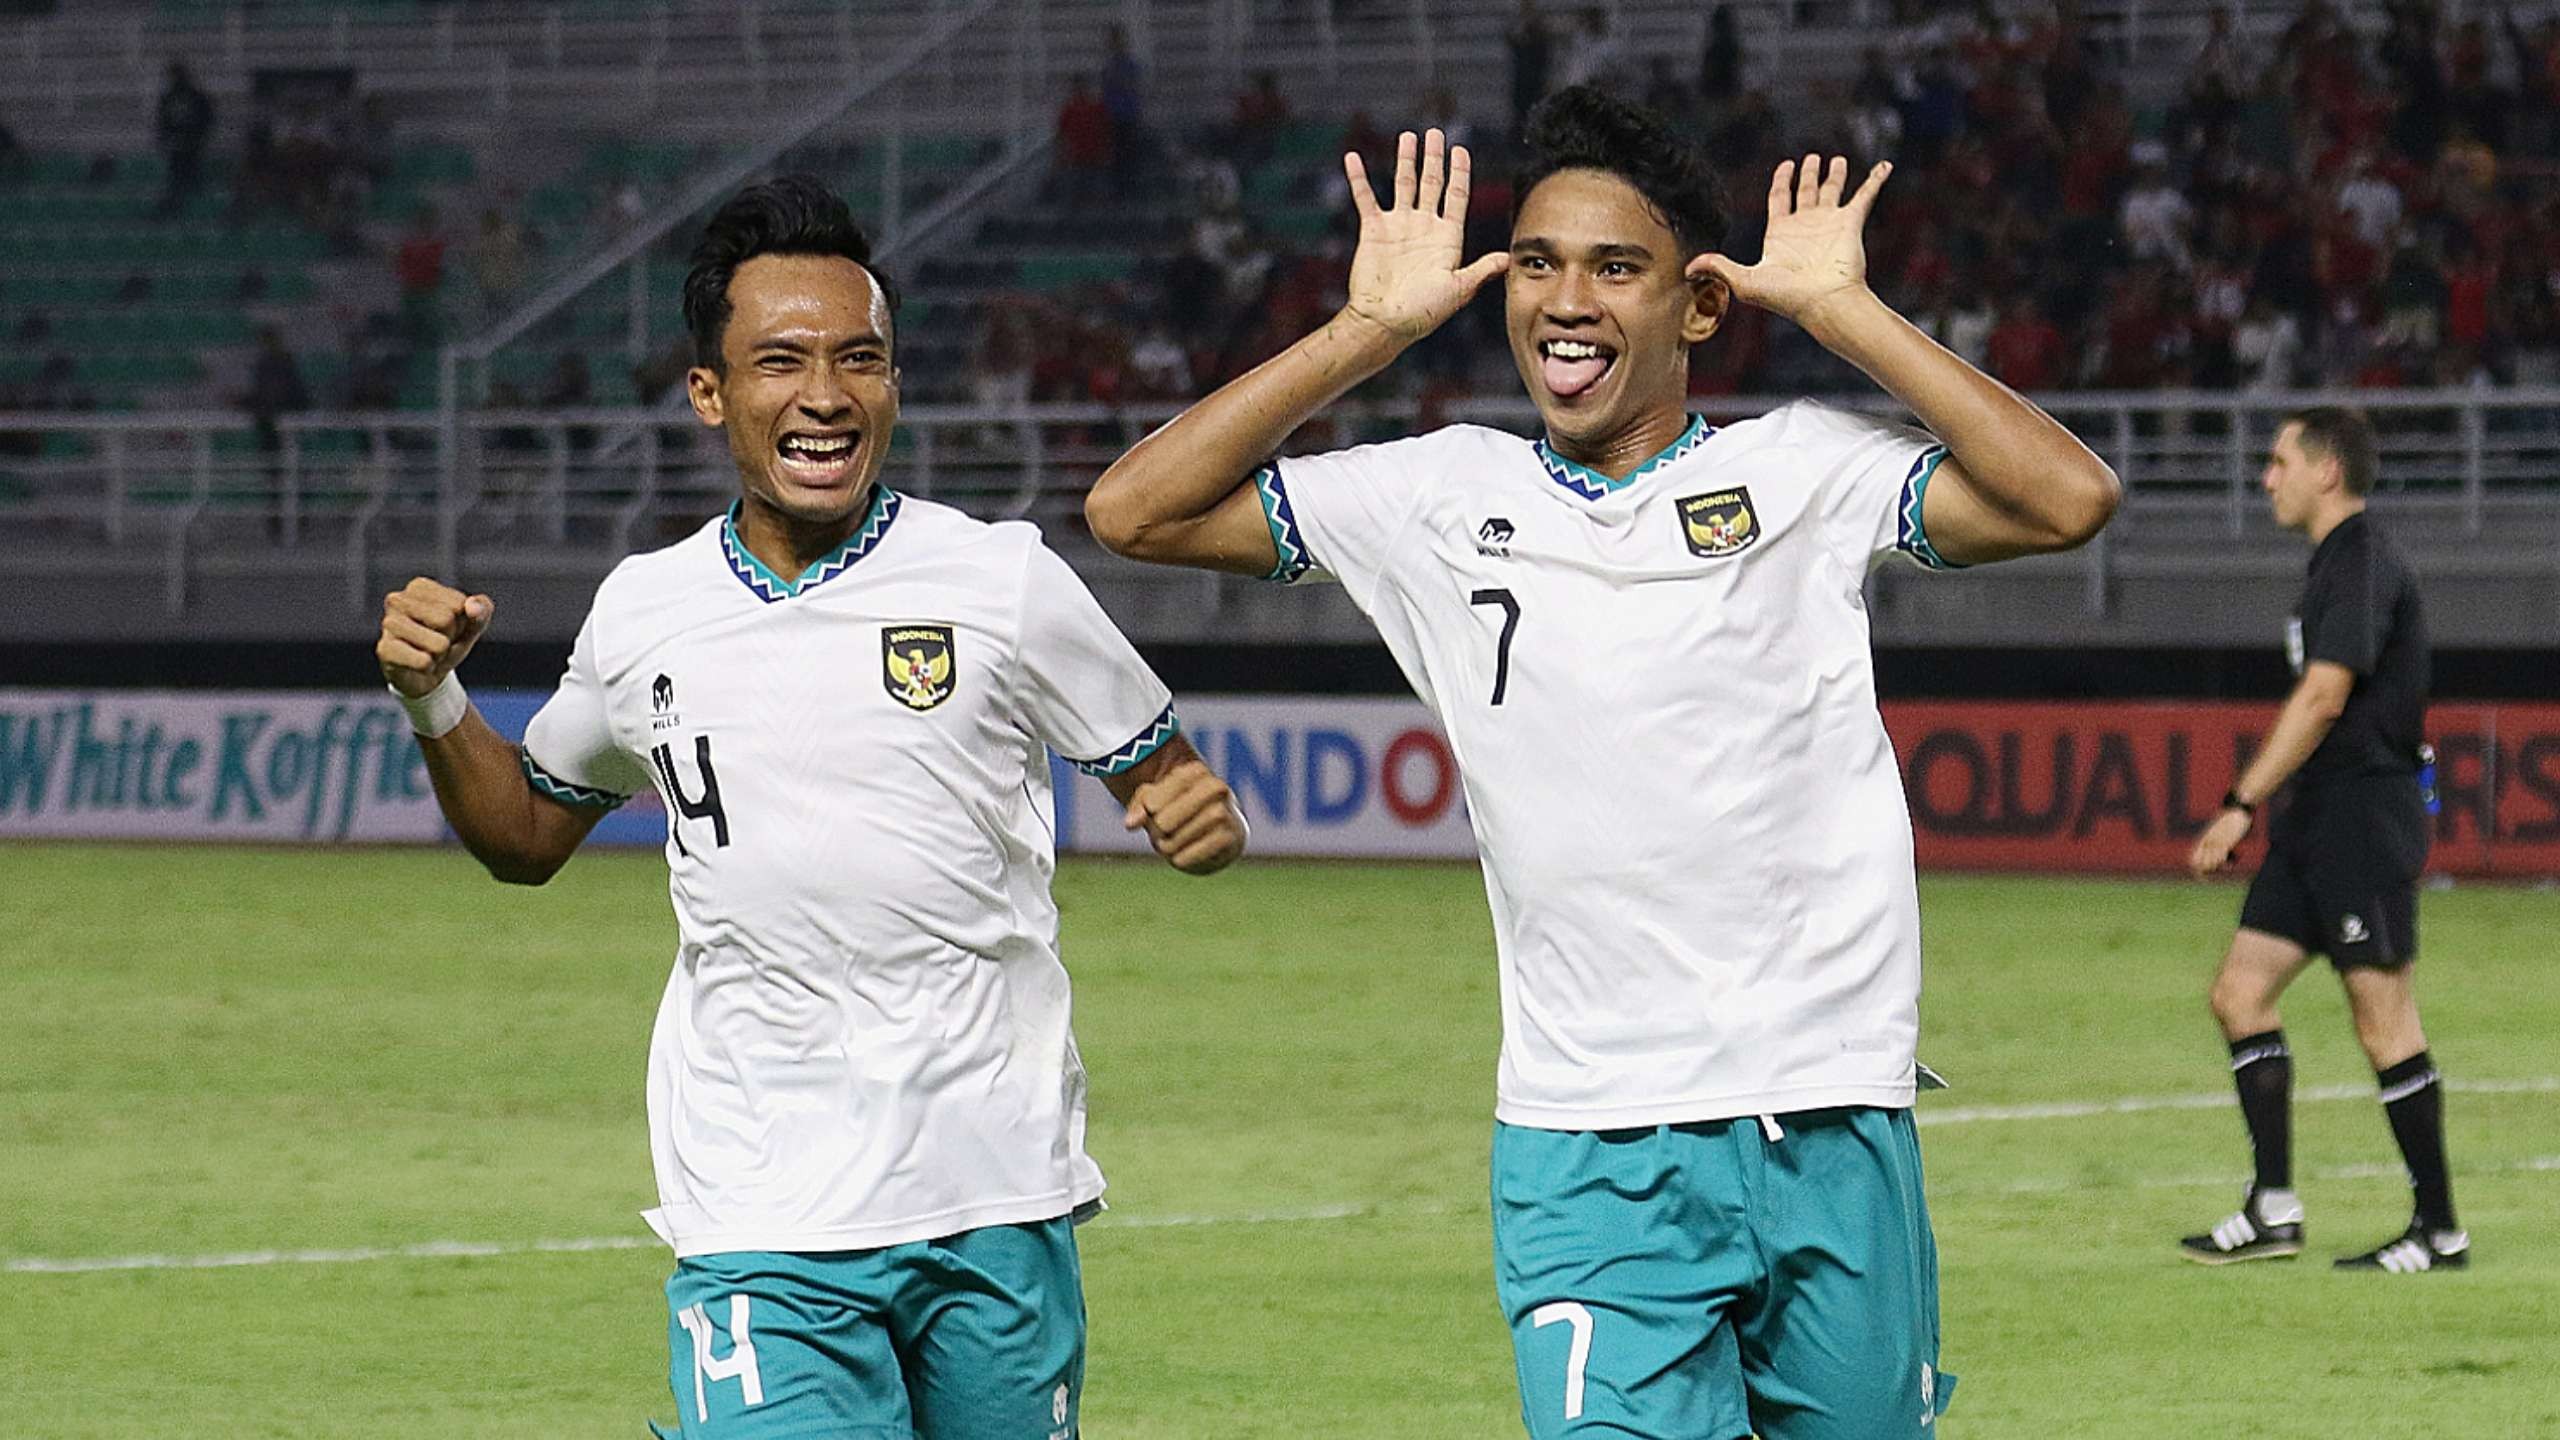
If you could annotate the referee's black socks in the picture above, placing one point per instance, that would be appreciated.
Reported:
(2413, 1098)
(2262, 1068)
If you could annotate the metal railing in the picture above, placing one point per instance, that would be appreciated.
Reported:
(2479, 470)
(682, 64)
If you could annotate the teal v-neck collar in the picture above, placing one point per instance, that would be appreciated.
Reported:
(1590, 484)
(770, 587)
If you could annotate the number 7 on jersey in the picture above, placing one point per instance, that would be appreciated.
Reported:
(1501, 647)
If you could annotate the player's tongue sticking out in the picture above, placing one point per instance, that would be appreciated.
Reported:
(1571, 367)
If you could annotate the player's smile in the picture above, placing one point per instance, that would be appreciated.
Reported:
(819, 459)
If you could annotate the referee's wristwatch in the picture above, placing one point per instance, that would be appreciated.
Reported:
(2231, 801)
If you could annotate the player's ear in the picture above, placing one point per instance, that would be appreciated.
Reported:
(1709, 298)
(702, 387)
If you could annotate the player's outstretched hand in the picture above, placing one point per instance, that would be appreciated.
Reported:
(426, 630)
(2221, 837)
(1190, 817)
(1406, 276)
(1816, 248)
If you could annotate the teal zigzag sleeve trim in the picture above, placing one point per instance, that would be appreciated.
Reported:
(552, 787)
(1146, 742)
(1911, 537)
(1291, 546)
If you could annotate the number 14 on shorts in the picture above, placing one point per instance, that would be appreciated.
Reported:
(738, 1365)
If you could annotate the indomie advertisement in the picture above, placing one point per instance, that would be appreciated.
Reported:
(1342, 777)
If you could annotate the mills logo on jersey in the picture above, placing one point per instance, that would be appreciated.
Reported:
(917, 665)
(1720, 522)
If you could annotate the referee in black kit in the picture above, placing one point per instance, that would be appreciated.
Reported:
(2343, 857)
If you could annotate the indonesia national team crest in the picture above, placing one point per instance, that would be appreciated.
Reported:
(1720, 522)
(916, 664)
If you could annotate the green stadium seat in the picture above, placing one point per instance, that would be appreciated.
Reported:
(331, 444)
(142, 367)
(612, 385)
(1307, 141)
(1297, 225)
(943, 152)
(1066, 271)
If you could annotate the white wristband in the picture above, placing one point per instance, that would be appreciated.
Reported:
(435, 713)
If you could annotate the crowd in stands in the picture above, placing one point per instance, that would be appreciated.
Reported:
(2307, 205)
(2322, 209)
(2312, 207)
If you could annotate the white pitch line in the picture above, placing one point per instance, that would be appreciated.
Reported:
(1114, 1220)
(428, 1250)
(1928, 1114)
(481, 1249)
(2530, 1165)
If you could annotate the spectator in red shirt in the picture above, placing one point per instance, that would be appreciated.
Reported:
(2025, 350)
(1925, 266)
(1084, 143)
(2470, 279)
(418, 264)
(1260, 112)
(2132, 334)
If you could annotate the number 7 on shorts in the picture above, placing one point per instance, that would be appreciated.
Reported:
(1572, 1313)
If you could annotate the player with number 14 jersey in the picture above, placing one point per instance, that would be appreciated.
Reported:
(866, 1110)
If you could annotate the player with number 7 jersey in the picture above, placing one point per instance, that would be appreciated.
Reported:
(1647, 640)
(866, 1109)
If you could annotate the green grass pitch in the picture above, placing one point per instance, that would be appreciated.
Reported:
(214, 1051)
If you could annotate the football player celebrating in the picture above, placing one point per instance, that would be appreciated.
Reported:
(1646, 639)
(865, 1106)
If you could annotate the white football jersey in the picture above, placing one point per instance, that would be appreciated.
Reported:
(865, 1038)
(1662, 700)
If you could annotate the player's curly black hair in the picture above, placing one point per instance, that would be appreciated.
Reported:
(787, 215)
(1584, 128)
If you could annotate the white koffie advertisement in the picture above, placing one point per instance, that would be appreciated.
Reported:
(211, 765)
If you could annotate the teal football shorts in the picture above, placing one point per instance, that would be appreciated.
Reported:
(1721, 1279)
(974, 1336)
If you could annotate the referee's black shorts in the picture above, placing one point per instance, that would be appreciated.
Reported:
(2341, 874)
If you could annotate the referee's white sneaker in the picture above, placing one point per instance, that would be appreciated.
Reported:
(2415, 1250)
(2268, 1226)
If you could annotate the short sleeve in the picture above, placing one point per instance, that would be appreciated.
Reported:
(1336, 515)
(1083, 689)
(1873, 478)
(569, 750)
(2346, 616)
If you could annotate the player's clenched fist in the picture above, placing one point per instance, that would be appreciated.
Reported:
(426, 630)
(1190, 817)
